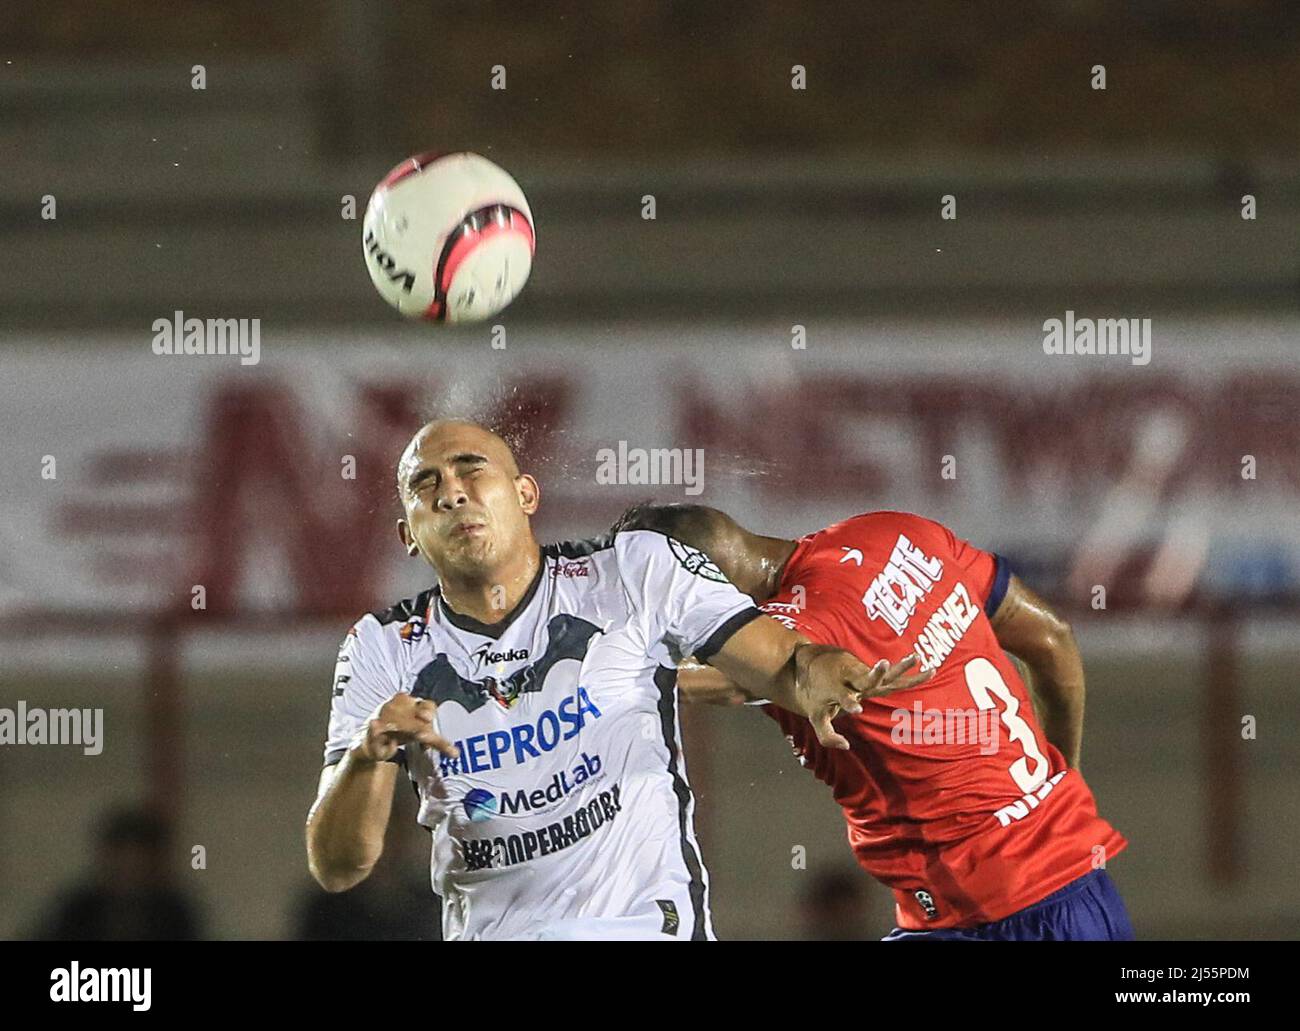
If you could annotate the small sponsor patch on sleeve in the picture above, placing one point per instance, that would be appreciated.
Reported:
(671, 920)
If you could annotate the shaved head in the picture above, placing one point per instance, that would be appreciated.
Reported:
(433, 434)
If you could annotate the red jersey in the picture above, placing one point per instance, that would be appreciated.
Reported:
(953, 795)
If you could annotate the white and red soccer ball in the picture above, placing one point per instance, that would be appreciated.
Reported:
(448, 237)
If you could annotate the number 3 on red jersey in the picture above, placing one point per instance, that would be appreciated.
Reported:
(984, 681)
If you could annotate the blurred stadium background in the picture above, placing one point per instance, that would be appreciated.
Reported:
(775, 208)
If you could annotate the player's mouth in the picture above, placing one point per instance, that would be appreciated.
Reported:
(469, 529)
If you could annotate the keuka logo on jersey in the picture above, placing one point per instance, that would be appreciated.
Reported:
(484, 655)
(524, 741)
(568, 637)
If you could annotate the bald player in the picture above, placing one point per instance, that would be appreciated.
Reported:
(531, 697)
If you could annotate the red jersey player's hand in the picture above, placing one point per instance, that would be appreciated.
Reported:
(829, 681)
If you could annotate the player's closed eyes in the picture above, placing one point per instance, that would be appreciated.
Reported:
(429, 480)
(470, 473)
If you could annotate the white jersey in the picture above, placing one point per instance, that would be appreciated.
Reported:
(568, 812)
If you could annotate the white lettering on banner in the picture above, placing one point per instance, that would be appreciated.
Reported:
(793, 453)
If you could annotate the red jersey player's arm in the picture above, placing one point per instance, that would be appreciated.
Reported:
(1035, 633)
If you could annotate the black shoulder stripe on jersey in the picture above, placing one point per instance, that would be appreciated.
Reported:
(404, 610)
(719, 638)
(578, 549)
(666, 681)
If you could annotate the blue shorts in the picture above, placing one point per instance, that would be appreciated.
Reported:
(1088, 909)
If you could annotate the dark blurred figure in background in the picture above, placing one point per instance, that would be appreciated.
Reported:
(391, 905)
(129, 894)
(395, 903)
(834, 907)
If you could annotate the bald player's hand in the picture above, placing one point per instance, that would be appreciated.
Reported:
(830, 680)
(402, 720)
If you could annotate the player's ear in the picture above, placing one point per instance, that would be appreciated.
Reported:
(530, 494)
(407, 538)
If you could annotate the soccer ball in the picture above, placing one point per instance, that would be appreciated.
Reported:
(448, 237)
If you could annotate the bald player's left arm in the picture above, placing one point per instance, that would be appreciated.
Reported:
(706, 685)
(700, 683)
(1031, 630)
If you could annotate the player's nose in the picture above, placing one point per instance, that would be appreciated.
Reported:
(452, 499)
